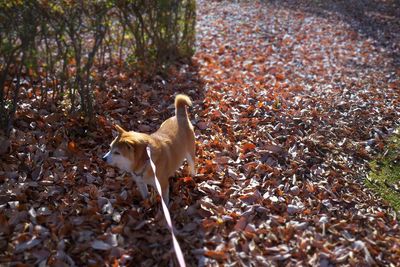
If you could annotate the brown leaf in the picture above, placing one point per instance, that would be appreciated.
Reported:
(217, 255)
(241, 224)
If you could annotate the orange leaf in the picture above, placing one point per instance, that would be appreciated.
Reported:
(248, 146)
(280, 76)
(187, 179)
(218, 255)
(72, 146)
(115, 263)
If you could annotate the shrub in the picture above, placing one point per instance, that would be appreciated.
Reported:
(56, 44)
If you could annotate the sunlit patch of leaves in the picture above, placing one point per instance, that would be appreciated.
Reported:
(298, 104)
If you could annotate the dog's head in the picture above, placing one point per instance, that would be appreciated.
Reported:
(127, 151)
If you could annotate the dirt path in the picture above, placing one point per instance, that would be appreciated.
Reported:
(295, 105)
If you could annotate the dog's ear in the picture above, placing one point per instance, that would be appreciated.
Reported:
(119, 129)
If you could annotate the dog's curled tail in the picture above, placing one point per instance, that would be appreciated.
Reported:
(181, 101)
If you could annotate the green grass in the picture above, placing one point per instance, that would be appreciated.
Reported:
(384, 177)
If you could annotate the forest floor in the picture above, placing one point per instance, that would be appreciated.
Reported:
(291, 102)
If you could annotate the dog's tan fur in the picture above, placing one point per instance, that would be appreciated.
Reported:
(173, 142)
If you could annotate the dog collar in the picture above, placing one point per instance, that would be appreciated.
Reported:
(140, 174)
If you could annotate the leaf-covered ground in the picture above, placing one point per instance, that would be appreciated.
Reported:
(290, 104)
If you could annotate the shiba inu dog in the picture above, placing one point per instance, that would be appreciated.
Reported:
(173, 142)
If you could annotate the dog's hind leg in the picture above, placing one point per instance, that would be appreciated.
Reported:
(190, 157)
(165, 194)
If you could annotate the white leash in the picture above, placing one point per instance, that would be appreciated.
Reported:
(177, 248)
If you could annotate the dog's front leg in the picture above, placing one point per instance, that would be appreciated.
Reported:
(141, 186)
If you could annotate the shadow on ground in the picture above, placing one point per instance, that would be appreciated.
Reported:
(379, 20)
